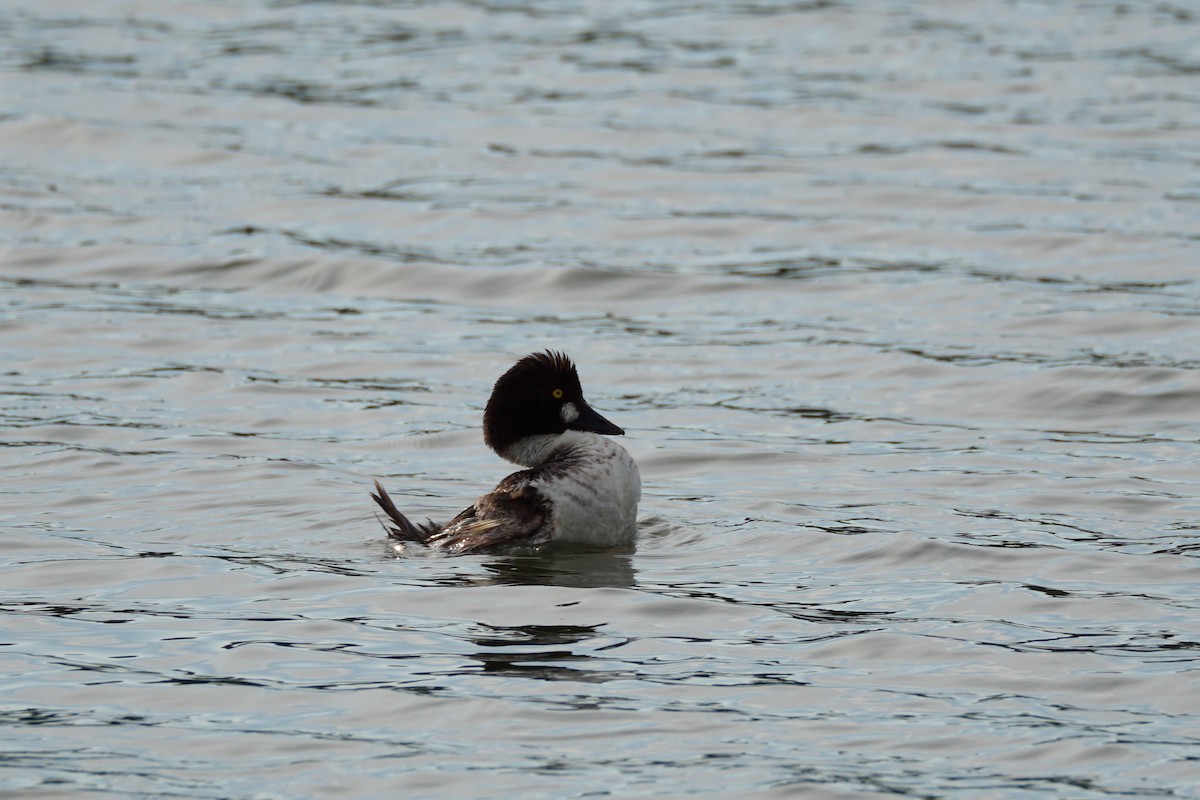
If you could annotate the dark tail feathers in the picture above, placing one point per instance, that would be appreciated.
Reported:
(402, 528)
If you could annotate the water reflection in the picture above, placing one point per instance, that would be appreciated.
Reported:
(541, 652)
(545, 568)
(574, 570)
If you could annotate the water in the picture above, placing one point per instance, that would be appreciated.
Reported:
(898, 303)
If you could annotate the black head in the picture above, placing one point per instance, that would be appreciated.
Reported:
(539, 395)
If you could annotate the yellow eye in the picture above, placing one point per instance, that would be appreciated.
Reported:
(557, 394)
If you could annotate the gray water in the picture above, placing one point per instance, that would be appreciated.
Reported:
(898, 302)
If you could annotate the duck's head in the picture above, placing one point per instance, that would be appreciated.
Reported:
(539, 396)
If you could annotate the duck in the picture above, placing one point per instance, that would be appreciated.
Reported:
(578, 488)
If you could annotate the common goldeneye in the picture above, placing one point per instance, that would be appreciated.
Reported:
(579, 488)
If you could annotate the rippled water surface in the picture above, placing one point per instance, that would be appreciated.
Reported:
(898, 302)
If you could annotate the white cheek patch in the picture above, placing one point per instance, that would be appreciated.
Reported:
(569, 413)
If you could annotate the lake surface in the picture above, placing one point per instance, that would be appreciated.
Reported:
(898, 302)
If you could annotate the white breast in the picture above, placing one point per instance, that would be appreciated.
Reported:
(594, 485)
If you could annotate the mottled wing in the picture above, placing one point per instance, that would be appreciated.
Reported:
(512, 513)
